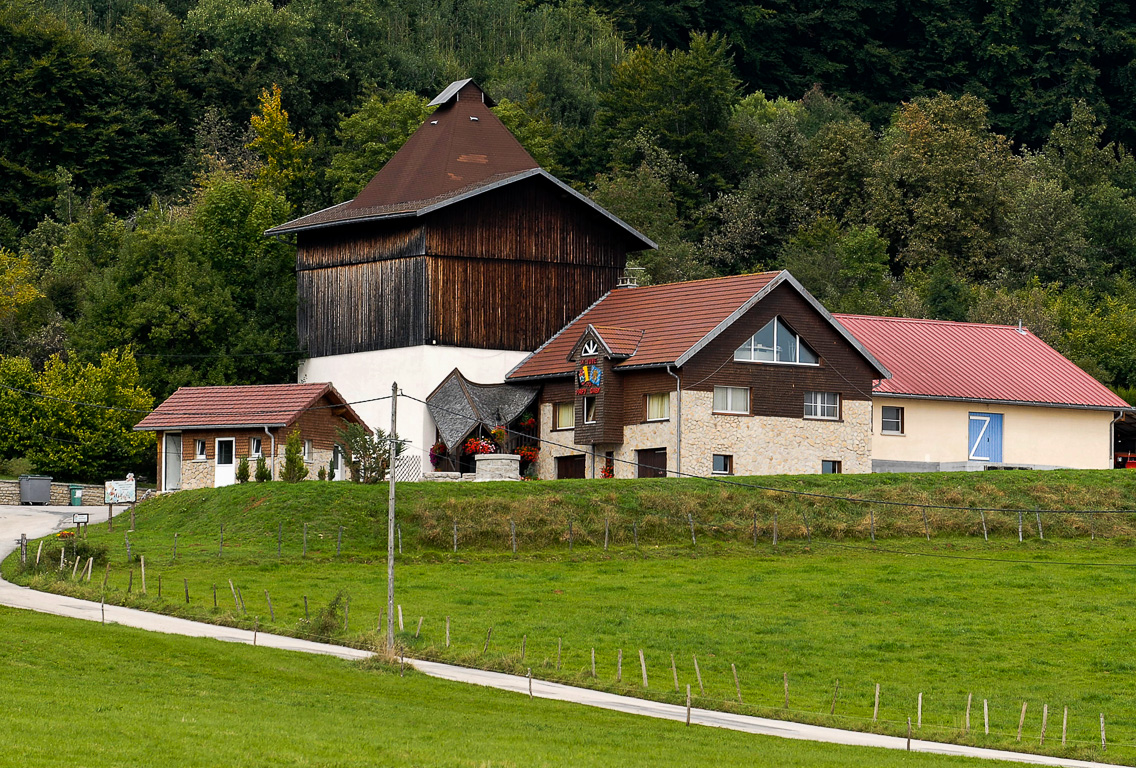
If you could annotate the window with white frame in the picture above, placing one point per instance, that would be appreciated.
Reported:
(723, 464)
(731, 400)
(307, 450)
(659, 406)
(564, 415)
(589, 410)
(255, 451)
(822, 405)
(199, 450)
(891, 420)
(776, 343)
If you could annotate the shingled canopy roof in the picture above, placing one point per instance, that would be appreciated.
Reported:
(673, 321)
(262, 405)
(461, 150)
(458, 406)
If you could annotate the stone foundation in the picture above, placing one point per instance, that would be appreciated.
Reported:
(498, 466)
(759, 445)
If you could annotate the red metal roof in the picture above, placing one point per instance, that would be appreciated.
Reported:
(971, 361)
(266, 405)
(672, 318)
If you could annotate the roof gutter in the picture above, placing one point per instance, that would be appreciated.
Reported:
(678, 420)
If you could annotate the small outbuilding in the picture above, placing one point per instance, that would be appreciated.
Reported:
(204, 432)
(970, 396)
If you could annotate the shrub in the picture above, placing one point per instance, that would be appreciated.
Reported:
(243, 470)
(294, 468)
(262, 474)
(322, 474)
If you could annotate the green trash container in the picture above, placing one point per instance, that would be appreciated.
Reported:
(76, 495)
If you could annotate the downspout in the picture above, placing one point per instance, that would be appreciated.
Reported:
(678, 420)
(1112, 439)
(272, 467)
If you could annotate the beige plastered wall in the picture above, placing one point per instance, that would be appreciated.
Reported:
(759, 445)
(937, 431)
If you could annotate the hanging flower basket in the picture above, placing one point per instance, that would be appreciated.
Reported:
(526, 421)
(437, 453)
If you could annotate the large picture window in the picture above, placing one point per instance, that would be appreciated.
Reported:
(776, 343)
(659, 406)
(822, 405)
(731, 400)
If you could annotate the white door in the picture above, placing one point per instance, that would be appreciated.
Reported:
(171, 464)
(226, 472)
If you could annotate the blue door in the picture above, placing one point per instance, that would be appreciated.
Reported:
(985, 437)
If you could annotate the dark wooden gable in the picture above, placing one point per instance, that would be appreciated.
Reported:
(778, 389)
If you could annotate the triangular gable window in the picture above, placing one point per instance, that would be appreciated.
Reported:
(775, 343)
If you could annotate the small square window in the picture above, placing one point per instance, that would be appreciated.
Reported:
(723, 464)
(307, 449)
(822, 405)
(659, 406)
(564, 415)
(731, 400)
(828, 467)
(199, 450)
(255, 447)
(589, 410)
(891, 422)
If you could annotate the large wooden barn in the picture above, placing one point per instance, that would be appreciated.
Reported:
(460, 253)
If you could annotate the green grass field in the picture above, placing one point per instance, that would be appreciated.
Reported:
(77, 694)
(1046, 622)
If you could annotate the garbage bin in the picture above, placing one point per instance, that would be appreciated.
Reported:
(76, 495)
(35, 489)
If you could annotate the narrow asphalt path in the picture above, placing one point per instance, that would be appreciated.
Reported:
(41, 521)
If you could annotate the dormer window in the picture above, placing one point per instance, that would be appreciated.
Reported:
(590, 348)
(776, 343)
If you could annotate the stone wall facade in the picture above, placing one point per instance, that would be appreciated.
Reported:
(201, 473)
(759, 445)
(60, 494)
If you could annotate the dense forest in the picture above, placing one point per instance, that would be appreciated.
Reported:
(955, 161)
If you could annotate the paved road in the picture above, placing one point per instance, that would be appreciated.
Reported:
(40, 521)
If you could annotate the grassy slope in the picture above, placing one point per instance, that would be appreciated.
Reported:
(1004, 631)
(77, 694)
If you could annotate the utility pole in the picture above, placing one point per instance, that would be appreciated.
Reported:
(390, 518)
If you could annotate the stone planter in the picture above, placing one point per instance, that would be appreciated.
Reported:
(498, 466)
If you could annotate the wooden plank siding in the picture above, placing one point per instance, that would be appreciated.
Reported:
(494, 304)
(527, 221)
(359, 243)
(506, 269)
(358, 307)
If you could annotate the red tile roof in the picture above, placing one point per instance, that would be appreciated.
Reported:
(970, 361)
(672, 318)
(267, 405)
(621, 341)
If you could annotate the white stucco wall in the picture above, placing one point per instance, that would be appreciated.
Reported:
(418, 370)
(937, 431)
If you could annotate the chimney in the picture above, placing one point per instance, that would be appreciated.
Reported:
(629, 279)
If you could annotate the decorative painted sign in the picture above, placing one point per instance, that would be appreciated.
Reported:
(589, 379)
(120, 491)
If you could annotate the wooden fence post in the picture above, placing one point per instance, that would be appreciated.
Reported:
(142, 559)
(968, 699)
(559, 648)
(593, 663)
(1022, 721)
(619, 667)
(985, 536)
(1044, 723)
(447, 631)
(786, 690)
(1064, 725)
(688, 703)
(643, 666)
(986, 716)
(271, 613)
(186, 581)
(872, 518)
(737, 685)
(835, 693)
(674, 672)
(513, 535)
(698, 674)
(607, 531)
(775, 528)
(693, 540)
(221, 545)
(919, 711)
(488, 635)
(876, 708)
